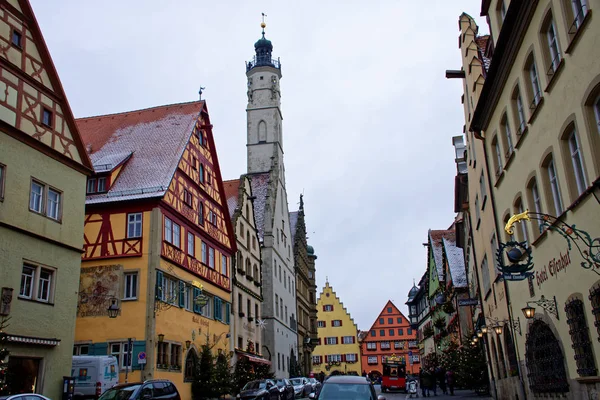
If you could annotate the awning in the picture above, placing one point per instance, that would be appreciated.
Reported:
(259, 360)
(32, 340)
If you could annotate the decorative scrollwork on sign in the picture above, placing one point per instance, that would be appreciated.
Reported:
(588, 247)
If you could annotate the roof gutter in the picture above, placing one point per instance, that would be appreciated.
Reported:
(511, 36)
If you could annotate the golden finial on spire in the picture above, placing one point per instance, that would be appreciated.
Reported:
(262, 24)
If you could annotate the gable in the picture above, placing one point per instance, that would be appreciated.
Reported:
(33, 90)
(389, 311)
(329, 297)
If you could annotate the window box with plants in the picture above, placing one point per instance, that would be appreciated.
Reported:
(427, 332)
(439, 323)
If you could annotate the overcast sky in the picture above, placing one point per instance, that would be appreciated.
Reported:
(368, 114)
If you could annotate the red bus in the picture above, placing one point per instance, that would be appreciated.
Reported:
(394, 374)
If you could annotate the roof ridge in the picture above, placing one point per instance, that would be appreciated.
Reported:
(140, 110)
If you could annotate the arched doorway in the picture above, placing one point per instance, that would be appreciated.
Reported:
(545, 360)
(511, 354)
(191, 363)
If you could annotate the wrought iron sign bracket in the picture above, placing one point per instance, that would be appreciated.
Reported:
(547, 304)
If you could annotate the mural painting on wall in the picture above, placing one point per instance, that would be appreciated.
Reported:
(97, 287)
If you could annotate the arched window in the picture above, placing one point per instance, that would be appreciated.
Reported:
(262, 132)
(253, 243)
(507, 142)
(535, 202)
(573, 159)
(592, 139)
(200, 213)
(545, 360)
(240, 261)
(551, 186)
(534, 91)
(511, 354)
(522, 234)
(550, 45)
(519, 108)
(256, 276)
(191, 363)
(248, 268)
(248, 240)
(580, 338)
(498, 166)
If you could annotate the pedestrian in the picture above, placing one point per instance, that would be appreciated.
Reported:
(322, 376)
(432, 384)
(450, 381)
(441, 378)
(422, 382)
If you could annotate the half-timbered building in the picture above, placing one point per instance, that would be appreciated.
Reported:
(43, 168)
(158, 243)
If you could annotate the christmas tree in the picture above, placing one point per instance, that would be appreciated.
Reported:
(242, 374)
(222, 378)
(203, 384)
(263, 371)
(3, 357)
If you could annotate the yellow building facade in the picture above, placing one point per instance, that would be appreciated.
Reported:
(158, 244)
(338, 350)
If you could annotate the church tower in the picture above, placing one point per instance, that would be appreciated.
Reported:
(267, 176)
(264, 108)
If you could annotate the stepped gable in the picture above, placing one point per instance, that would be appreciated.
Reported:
(232, 195)
(260, 186)
(154, 139)
(335, 296)
(435, 241)
(456, 262)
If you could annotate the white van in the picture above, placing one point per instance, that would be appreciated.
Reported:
(94, 375)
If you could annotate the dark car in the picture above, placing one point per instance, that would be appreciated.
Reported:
(159, 389)
(264, 389)
(286, 389)
(302, 387)
(344, 387)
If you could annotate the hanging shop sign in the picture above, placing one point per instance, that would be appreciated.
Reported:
(520, 261)
(468, 302)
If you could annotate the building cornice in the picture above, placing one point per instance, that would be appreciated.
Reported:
(516, 22)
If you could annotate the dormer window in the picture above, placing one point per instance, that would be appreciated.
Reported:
(96, 185)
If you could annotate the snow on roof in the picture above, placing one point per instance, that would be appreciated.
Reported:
(435, 239)
(482, 42)
(231, 195)
(260, 184)
(456, 262)
(155, 138)
(293, 222)
(107, 162)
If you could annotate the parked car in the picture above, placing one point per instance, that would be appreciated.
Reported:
(346, 387)
(302, 387)
(264, 389)
(156, 389)
(316, 385)
(286, 389)
(24, 396)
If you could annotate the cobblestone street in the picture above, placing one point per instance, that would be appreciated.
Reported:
(458, 394)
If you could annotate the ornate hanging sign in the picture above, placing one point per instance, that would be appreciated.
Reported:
(520, 258)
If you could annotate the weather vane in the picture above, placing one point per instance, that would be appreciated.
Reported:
(200, 91)
(262, 24)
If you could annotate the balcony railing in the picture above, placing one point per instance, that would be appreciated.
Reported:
(258, 61)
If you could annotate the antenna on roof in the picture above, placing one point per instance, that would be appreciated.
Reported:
(200, 92)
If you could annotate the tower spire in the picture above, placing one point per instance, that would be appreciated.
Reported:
(262, 24)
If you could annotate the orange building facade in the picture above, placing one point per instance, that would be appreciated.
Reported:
(390, 335)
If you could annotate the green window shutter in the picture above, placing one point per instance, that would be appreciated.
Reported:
(181, 294)
(197, 308)
(138, 347)
(99, 349)
(159, 279)
(227, 313)
(216, 307)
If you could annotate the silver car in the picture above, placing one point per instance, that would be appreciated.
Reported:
(302, 387)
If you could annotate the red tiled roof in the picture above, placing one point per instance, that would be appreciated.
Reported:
(154, 137)
(482, 43)
(231, 194)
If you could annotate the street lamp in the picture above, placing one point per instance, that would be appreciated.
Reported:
(113, 309)
(498, 329)
(161, 337)
(479, 333)
(188, 343)
(484, 329)
(528, 311)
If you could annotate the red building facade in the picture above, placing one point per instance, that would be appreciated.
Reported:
(389, 335)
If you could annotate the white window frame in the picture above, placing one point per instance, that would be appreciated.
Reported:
(485, 274)
(521, 112)
(121, 354)
(372, 360)
(41, 289)
(172, 232)
(224, 266)
(351, 357)
(523, 226)
(385, 345)
(207, 310)
(578, 171)
(78, 349)
(131, 285)
(334, 357)
(170, 290)
(597, 112)
(91, 186)
(36, 197)
(371, 346)
(553, 45)
(328, 307)
(41, 202)
(134, 225)
(321, 324)
(508, 134)
(331, 340)
(499, 165)
(336, 323)
(316, 359)
(554, 186)
(482, 186)
(535, 194)
(580, 10)
(347, 340)
(534, 78)
(204, 253)
(191, 244)
(211, 257)
(101, 186)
